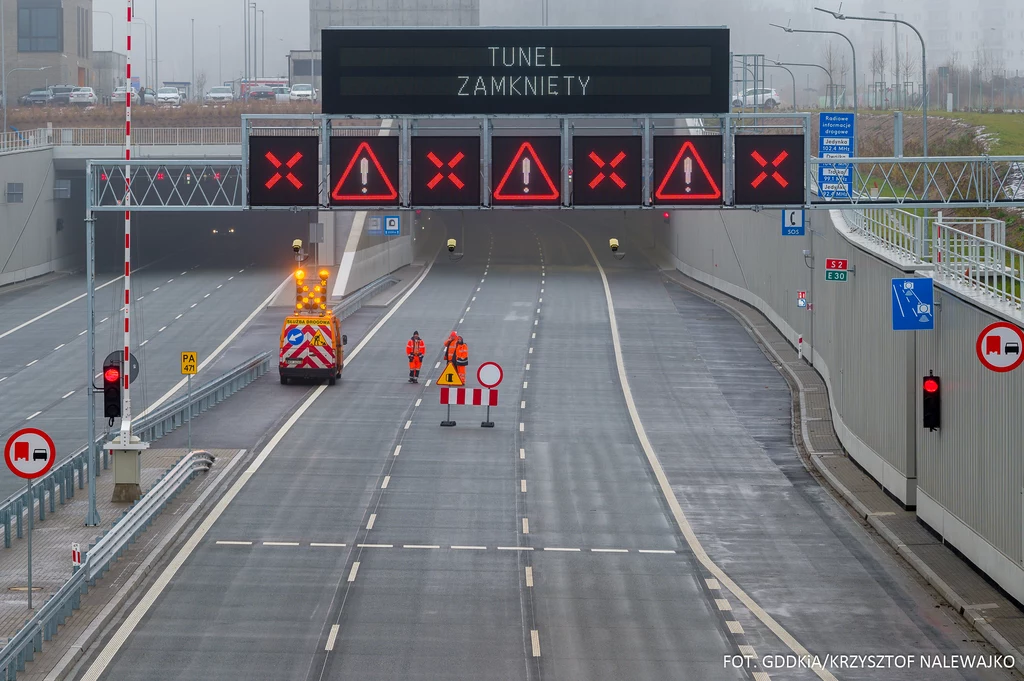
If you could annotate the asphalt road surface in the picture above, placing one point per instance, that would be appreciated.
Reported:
(371, 543)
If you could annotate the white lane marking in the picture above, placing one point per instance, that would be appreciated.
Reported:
(178, 317)
(735, 627)
(609, 550)
(522, 453)
(747, 651)
(522, 486)
(542, 281)
(659, 551)
(219, 285)
(183, 273)
(207, 295)
(52, 310)
(371, 521)
(156, 289)
(669, 494)
(241, 270)
(474, 298)
(317, 543)
(525, 383)
(529, 576)
(531, 351)
(140, 297)
(478, 289)
(535, 322)
(68, 395)
(143, 343)
(468, 309)
(526, 526)
(469, 548)
(713, 584)
(527, 367)
(4, 379)
(60, 346)
(225, 542)
(333, 637)
(462, 320)
(481, 281)
(192, 305)
(83, 332)
(437, 366)
(723, 604)
(106, 318)
(231, 277)
(33, 416)
(398, 448)
(375, 546)
(169, 281)
(538, 310)
(540, 300)
(419, 401)
(534, 335)
(116, 642)
(427, 384)
(522, 426)
(387, 479)
(522, 405)
(542, 290)
(420, 546)
(161, 329)
(32, 362)
(558, 548)
(535, 642)
(762, 676)
(353, 571)
(515, 548)
(407, 424)
(280, 543)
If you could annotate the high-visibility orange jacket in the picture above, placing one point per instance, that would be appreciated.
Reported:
(457, 352)
(415, 349)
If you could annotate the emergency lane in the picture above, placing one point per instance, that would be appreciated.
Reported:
(441, 589)
(252, 600)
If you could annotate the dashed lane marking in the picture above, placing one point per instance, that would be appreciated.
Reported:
(713, 584)
(387, 479)
(609, 550)
(522, 453)
(419, 401)
(529, 576)
(83, 332)
(192, 305)
(427, 384)
(522, 427)
(4, 379)
(227, 542)
(333, 636)
(156, 289)
(515, 548)
(734, 627)
(207, 295)
(747, 651)
(398, 448)
(179, 316)
(33, 416)
(462, 320)
(561, 548)
(66, 396)
(437, 366)
(531, 351)
(59, 346)
(522, 405)
(421, 546)
(280, 543)
(375, 546)
(522, 486)
(723, 604)
(371, 521)
(534, 335)
(32, 362)
(527, 367)
(407, 424)
(326, 544)
(469, 548)
(535, 322)
(352, 573)
(655, 551)
(143, 342)
(525, 383)
(535, 642)
(161, 329)
(526, 526)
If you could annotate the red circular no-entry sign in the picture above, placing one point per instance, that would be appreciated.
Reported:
(1000, 346)
(489, 374)
(30, 453)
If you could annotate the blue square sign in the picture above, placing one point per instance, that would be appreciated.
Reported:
(913, 304)
(375, 228)
(835, 140)
(793, 222)
(392, 226)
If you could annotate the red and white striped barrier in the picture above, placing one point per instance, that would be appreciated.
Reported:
(76, 555)
(469, 396)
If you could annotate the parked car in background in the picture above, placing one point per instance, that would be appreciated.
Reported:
(40, 96)
(764, 97)
(118, 95)
(147, 95)
(262, 93)
(61, 94)
(83, 96)
(168, 95)
(302, 92)
(282, 93)
(218, 94)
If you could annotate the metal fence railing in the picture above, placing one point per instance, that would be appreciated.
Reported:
(23, 646)
(39, 138)
(59, 484)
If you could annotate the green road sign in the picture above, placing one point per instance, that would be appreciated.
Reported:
(835, 275)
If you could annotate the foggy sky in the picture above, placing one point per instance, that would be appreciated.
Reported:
(287, 27)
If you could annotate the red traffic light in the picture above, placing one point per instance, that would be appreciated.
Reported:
(931, 385)
(112, 375)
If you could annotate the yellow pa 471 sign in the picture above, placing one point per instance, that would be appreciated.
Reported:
(450, 377)
(189, 363)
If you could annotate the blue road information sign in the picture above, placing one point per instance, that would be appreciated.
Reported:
(392, 226)
(801, 298)
(793, 222)
(835, 140)
(913, 304)
(376, 226)
(295, 336)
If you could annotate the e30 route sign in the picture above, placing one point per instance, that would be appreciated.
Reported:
(608, 171)
(769, 170)
(446, 171)
(284, 171)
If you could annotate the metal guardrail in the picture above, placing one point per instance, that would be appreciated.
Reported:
(39, 138)
(23, 646)
(59, 483)
(355, 301)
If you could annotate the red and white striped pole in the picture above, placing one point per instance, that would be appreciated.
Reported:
(126, 403)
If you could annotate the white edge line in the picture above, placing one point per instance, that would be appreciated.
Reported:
(669, 494)
(105, 657)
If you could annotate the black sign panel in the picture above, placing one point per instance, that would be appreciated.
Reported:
(446, 171)
(364, 171)
(688, 170)
(525, 70)
(526, 171)
(607, 171)
(283, 171)
(769, 170)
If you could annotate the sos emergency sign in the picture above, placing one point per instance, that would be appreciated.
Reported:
(30, 453)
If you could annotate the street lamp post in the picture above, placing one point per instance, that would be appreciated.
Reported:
(854, 51)
(924, 67)
(4, 86)
(145, 53)
(192, 86)
(254, 72)
(895, 55)
(792, 77)
(99, 11)
(263, 44)
(813, 66)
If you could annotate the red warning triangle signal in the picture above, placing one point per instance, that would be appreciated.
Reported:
(524, 173)
(357, 188)
(693, 191)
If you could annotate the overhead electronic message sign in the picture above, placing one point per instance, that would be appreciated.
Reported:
(283, 171)
(446, 171)
(527, 171)
(364, 171)
(688, 170)
(608, 171)
(769, 170)
(418, 71)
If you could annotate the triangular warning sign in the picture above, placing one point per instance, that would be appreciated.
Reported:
(450, 377)
(318, 339)
(369, 173)
(517, 177)
(687, 184)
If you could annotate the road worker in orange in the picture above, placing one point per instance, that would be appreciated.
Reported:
(457, 352)
(415, 349)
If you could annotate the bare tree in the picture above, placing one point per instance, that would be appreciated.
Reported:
(830, 55)
(907, 72)
(844, 68)
(200, 85)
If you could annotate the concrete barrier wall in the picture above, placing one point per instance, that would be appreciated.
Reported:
(32, 242)
(362, 258)
(965, 479)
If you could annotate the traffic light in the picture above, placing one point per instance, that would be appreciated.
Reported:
(301, 291)
(931, 390)
(112, 389)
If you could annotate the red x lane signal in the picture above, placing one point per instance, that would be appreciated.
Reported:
(296, 157)
(599, 178)
(452, 177)
(775, 164)
(769, 170)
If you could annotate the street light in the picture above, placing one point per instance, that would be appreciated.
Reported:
(813, 66)
(254, 72)
(263, 44)
(787, 29)
(895, 54)
(4, 86)
(98, 11)
(924, 66)
(792, 77)
(145, 52)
